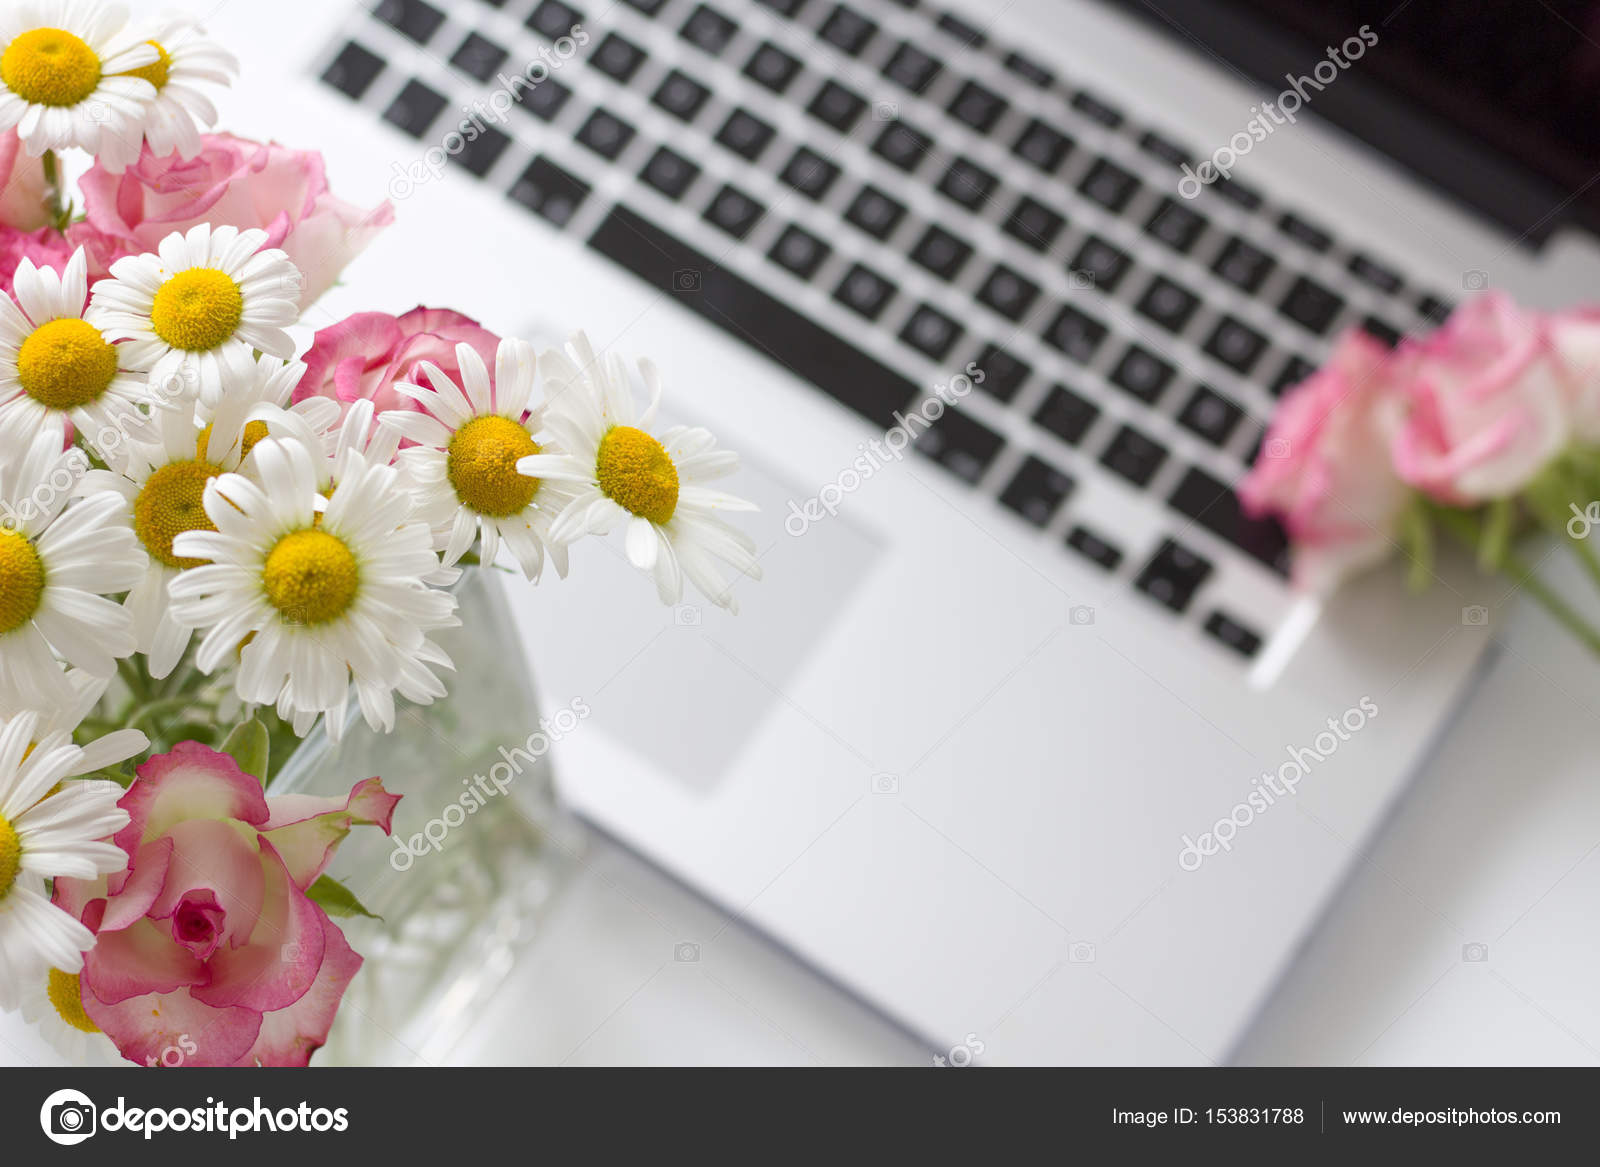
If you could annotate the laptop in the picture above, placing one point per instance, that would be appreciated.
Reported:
(1024, 737)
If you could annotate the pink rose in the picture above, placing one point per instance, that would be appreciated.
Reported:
(46, 247)
(231, 181)
(23, 191)
(1487, 403)
(208, 942)
(1325, 465)
(361, 357)
(1575, 336)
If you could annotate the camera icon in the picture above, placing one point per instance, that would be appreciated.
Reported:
(686, 616)
(1276, 448)
(686, 952)
(885, 111)
(1475, 616)
(98, 111)
(1475, 953)
(1080, 614)
(687, 280)
(68, 1117)
(290, 953)
(885, 784)
(1081, 953)
(1080, 281)
(1475, 280)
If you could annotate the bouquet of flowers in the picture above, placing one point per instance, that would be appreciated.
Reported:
(1480, 433)
(208, 546)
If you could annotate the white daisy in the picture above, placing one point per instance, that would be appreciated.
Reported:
(66, 73)
(45, 835)
(323, 594)
(192, 314)
(53, 1000)
(57, 565)
(163, 482)
(463, 468)
(57, 366)
(619, 471)
(172, 121)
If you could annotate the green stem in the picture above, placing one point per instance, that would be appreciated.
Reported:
(60, 213)
(157, 708)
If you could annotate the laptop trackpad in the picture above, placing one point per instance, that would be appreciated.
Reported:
(685, 688)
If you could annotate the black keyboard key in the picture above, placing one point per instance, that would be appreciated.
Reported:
(1173, 575)
(353, 70)
(1215, 507)
(1042, 146)
(1370, 271)
(837, 106)
(1134, 456)
(1003, 372)
(680, 95)
(1169, 152)
(478, 56)
(1210, 415)
(549, 191)
(1233, 634)
(1176, 225)
(1434, 310)
(708, 29)
(1169, 304)
(669, 172)
(477, 155)
(1306, 234)
(745, 134)
(1380, 329)
(1243, 264)
(618, 57)
(1034, 224)
(605, 133)
(809, 173)
(545, 100)
(1030, 71)
(1066, 414)
(1076, 334)
(962, 446)
(847, 30)
(1236, 345)
(931, 332)
(1008, 292)
(1100, 264)
(799, 251)
(411, 18)
(970, 36)
(969, 184)
(977, 106)
(1109, 185)
(1094, 548)
(414, 109)
(1096, 110)
(781, 7)
(648, 7)
(941, 252)
(1311, 305)
(1036, 491)
(761, 320)
(1236, 192)
(902, 146)
(1294, 371)
(1142, 374)
(734, 211)
(875, 212)
(864, 291)
(911, 68)
(554, 20)
(771, 67)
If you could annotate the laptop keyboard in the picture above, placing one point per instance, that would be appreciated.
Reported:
(878, 196)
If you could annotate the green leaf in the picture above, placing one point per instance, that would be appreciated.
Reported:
(1495, 543)
(1416, 536)
(248, 745)
(336, 899)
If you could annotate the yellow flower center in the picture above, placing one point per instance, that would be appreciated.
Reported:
(10, 856)
(482, 465)
(254, 431)
(311, 577)
(171, 502)
(67, 997)
(21, 584)
(636, 473)
(66, 363)
(197, 309)
(157, 70)
(50, 66)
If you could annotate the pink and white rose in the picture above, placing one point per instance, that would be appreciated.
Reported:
(361, 357)
(208, 939)
(45, 247)
(24, 194)
(1575, 337)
